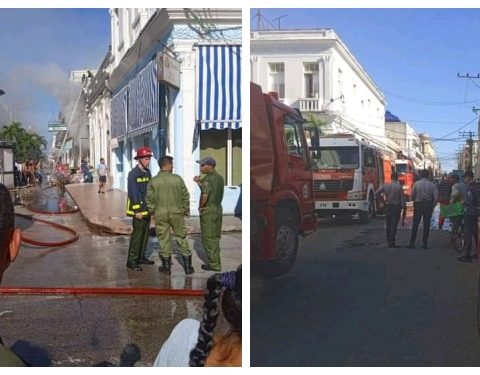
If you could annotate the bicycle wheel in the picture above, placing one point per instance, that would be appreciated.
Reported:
(456, 240)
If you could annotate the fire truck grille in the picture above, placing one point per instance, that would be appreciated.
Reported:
(332, 185)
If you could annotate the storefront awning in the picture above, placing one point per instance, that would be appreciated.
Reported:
(218, 87)
(143, 103)
(119, 113)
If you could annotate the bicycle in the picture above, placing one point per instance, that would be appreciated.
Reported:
(456, 234)
(455, 213)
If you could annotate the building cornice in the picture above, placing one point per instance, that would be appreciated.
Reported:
(306, 41)
(157, 29)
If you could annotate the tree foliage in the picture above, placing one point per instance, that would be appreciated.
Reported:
(313, 121)
(27, 143)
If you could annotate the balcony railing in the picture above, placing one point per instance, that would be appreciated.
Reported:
(309, 105)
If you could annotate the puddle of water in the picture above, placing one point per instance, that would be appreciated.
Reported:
(48, 200)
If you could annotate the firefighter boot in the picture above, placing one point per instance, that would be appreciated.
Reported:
(187, 261)
(165, 267)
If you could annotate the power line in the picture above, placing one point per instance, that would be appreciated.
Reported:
(430, 102)
(456, 130)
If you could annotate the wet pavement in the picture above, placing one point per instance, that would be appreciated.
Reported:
(98, 260)
(91, 330)
(94, 330)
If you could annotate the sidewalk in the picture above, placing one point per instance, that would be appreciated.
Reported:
(106, 212)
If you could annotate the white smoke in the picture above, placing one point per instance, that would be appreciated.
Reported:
(29, 84)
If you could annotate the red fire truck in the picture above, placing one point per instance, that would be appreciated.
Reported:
(406, 175)
(282, 206)
(348, 172)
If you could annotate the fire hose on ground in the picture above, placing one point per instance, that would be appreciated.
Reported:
(100, 291)
(75, 290)
(63, 228)
(53, 225)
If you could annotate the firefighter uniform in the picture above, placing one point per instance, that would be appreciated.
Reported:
(169, 200)
(137, 203)
(211, 217)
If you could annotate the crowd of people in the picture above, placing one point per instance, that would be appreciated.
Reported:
(27, 173)
(425, 196)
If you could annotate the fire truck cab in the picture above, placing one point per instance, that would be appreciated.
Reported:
(348, 172)
(406, 175)
(281, 205)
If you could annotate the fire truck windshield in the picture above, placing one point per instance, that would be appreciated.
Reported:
(338, 158)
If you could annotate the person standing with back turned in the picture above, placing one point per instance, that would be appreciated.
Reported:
(425, 197)
(210, 209)
(138, 179)
(395, 200)
(169, 200)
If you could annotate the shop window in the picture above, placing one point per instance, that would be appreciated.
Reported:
(225, 146)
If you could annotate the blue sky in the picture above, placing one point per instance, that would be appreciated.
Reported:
(38, 48)
(413, 55)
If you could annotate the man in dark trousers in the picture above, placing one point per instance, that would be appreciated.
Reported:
(211, 211)
(470, 218)
(169, 200)
(425, 197)
(137, 208)
(395, 201)
(444, 193)
(9, 247)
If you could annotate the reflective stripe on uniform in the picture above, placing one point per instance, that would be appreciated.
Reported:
(142, 179)
(130, 211)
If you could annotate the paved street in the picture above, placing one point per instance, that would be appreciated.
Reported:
(351, 301)
(61, 330)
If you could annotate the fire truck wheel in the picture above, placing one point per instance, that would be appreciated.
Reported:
(286, 234)
(366, 216)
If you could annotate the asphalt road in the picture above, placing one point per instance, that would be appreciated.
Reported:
(351, 301)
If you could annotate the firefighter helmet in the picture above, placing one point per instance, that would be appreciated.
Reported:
(143, 152)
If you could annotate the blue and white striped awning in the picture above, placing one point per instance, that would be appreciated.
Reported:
(143, 103)
(118, 109)
(219, 100)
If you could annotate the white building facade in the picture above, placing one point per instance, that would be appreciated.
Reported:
(430, 161)
(98, 112)
(403, 134)
(313, 70)
(166, 64)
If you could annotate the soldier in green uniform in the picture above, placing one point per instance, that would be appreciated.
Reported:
(210, 208)
(168, 199)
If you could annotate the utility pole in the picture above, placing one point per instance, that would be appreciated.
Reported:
(278, 19)
(470, 136)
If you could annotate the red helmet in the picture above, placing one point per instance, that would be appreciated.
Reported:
(143, 152)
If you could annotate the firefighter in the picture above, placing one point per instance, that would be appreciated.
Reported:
(137, 208)
(169, 200)
(210, 209)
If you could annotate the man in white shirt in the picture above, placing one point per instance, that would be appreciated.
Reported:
(102, 170)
